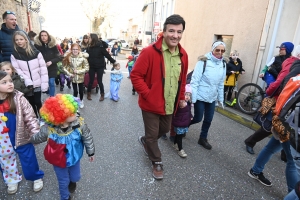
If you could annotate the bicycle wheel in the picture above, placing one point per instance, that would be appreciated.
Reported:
(249, 98)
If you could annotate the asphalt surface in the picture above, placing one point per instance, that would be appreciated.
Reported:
(122, 171)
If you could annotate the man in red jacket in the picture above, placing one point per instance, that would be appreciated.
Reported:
(159, 77)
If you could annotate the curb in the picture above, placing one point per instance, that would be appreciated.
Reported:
(248, 122)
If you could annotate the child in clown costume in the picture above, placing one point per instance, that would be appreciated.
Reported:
(67, 135)
(17, 123)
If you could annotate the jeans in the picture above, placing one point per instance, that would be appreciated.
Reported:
(92, 73)
(207, 109)
(297, 162)
(51, 87)
(266, 153)
(291, 196)
(64, 176)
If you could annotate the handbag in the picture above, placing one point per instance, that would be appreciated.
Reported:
(264, 115)
(55, 153)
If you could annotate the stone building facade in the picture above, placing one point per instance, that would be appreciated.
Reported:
(25, 19)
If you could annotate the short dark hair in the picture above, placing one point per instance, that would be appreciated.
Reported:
(174, 19)
(31, 34)
(7, 13)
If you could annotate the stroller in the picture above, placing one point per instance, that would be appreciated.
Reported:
(87, 80)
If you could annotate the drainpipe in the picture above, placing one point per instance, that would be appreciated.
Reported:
(296, 39)
(275, 31)
(263, 40)
(29, 21)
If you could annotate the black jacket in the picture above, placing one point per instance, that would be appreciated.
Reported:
(96, 56)
(276, 67)
(231, 66)
(50, 53)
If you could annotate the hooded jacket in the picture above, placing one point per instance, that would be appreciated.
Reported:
(208, 86)
(286, 65)
(80, 64)
(148, 77)
(50, 53)
(32, 68)
(6, 43)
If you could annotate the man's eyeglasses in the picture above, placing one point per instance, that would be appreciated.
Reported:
(9, 12)
(218, 50)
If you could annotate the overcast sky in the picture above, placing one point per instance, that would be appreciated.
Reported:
(65, 18)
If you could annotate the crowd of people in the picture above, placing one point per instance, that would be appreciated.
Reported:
(29, 67)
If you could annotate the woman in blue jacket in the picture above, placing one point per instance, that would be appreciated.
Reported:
(208, 87)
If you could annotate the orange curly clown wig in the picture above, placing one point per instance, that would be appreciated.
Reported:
(58, 108)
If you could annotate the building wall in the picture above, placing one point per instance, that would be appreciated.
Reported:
(21, 13)
(241, 19)
(286, 28)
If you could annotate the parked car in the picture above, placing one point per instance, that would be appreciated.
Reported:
(124, 43)
(112, 42)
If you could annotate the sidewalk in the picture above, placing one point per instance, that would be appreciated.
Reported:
(238, 116)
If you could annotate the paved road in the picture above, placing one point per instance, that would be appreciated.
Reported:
(122, 171)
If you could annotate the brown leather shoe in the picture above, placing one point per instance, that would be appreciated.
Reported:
(101, 97)
(89, 96)
(158, 172)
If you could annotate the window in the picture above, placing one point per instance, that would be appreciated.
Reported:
(227, 39)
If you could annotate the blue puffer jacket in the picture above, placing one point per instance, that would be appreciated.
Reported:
(6, 43)
(208, 86)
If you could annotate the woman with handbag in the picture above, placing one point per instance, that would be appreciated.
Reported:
(261, 134)
(273, 146)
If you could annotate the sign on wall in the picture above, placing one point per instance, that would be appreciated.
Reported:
(34, 6)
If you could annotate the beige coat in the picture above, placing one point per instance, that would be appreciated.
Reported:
(26, 121)
(80, 64)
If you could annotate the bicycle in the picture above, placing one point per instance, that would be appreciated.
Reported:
(248, 98)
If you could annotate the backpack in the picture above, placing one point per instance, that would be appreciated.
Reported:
(285, 106)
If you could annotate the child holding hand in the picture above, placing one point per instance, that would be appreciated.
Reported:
(67, 135)
(17, 123)
(181, 122)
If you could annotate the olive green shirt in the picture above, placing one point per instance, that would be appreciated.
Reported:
(172, 72)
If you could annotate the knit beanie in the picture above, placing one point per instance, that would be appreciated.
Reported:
(188, 88)
(289, 47)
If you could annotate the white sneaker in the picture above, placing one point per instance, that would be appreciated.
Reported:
(81, 104)
(175, 146)
(12, 188)
(182, 154)
(38, 185)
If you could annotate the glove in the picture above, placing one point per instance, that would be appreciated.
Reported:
(220, 104)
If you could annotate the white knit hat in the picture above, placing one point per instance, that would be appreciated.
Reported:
(217, 43)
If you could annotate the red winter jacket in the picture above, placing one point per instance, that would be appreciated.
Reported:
(286, 65)
(148, 76)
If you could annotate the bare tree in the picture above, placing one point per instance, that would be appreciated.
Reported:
(97, 11)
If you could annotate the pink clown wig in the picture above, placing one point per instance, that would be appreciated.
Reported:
(58, 108)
